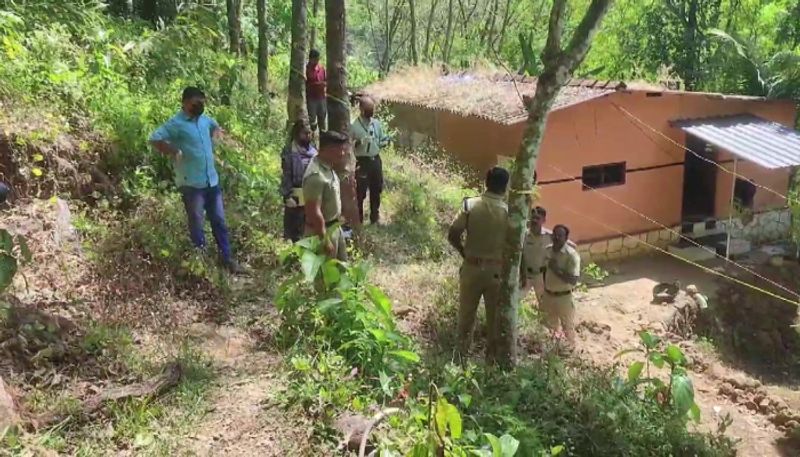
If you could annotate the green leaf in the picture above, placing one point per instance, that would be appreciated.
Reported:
(508, 446)
(330, 272)
(380, 300)
(386, 383)
(448, 417)
(494, 443)
(694, 413)
(327, 304)
(556, 450)
(310, 263)
(635, 370)
(675, 354)
(682, 393)
(6, 242)
(143, 439)
(408, 356)
(8, 268)
(36, 172)
(657, 360)
(649, 340)
(38, 158)
(465, 399)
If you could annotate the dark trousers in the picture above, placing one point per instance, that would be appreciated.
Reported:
(369, 178)
(202, 203)
(294, 221)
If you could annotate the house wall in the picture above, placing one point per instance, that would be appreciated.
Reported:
(598, 132)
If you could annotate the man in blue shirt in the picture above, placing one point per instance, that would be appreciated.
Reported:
(187, 138)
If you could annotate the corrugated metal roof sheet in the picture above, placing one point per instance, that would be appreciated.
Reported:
(766, 143)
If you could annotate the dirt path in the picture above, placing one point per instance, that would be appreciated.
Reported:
(616, 312)
(245, 418)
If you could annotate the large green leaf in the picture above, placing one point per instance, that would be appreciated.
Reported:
(694, 413)
(448, 417)
(674, 354)
(657, 359)
(635, 370)
(330, 272)
(6, 242)
(682, 393)
(649, 340)
(311, 264)
(380, 300)
(8, 268)
(508, 446)
(408, 356)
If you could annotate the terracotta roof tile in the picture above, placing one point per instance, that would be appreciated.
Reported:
(497, 97)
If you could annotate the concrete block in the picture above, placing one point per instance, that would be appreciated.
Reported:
(615, 245)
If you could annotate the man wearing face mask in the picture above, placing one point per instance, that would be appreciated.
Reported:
(187, 138)
(369, 139)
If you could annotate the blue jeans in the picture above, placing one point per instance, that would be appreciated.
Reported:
(208, 201)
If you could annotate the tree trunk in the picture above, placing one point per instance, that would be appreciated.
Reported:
(338, 103)
(149, 11)
(312, 33)
(234, 8)
(559, 64)
(413, 40)
(263, 48)
(448, 34)
(429, 27)
(296, 103)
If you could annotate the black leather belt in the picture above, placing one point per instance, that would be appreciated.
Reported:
(370, 158)
(558, 294)
(331, 222)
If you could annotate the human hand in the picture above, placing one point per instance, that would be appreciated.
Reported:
(329, 249)
(290, 203)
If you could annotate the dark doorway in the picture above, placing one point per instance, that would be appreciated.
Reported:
(699, 181)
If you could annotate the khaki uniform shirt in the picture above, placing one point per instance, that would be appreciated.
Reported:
(485, 220)
(534, 252)
(321, 183)
(567, 260)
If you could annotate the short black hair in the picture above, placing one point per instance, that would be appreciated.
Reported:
(562, 226)
(192, 92)
(540, 211)
(497, 180)
(332, 138)
(313, 54)
(298, 126)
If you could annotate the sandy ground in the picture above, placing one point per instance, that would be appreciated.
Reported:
(623, 307)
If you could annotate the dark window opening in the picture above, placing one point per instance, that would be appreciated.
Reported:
(744, 193)
(612, 174)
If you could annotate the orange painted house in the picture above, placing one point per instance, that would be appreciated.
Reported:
(619, 164)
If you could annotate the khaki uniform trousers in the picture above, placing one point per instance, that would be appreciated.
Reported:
(339, 245)
(476, 281)
(559, 309)
(537, 282)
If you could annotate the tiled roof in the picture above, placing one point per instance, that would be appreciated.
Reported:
(495, 97)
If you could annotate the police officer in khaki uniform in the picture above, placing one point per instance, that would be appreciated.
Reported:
(562, 271)
(534, 252)
(485, 220)
(321, 193)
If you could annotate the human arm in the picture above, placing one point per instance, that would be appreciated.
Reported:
(456, 232)
(286, 176)
(161, 141)
(571, 272)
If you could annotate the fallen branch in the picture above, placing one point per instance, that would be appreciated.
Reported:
(154, 387)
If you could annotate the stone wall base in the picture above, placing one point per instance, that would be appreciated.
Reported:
(762, 228)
